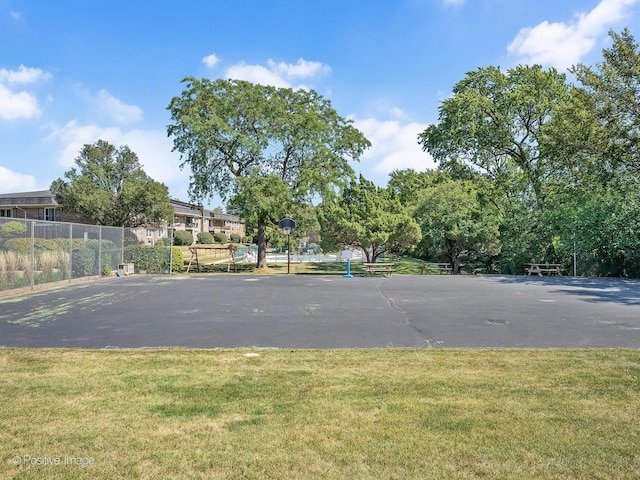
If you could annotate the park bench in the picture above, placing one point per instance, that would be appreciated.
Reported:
(370, 269)
(436, 267)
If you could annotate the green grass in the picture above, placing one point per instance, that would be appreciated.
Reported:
(402, 265)
(428, 414)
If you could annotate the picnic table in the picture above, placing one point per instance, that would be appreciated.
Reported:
(545, 269)
(437, 267)
(386, 268)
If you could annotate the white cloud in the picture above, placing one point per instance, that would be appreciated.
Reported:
(302, 69)
(256, 74)
(24, 75)
(211, 60)
(278, 74)
(15, 105)
(117, 109)
(394, 145)
(562, 44)
(16, 15)
(17, 182)
(153, 148)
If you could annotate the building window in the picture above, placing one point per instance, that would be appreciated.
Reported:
(5, 212)
(50, 214)
(149, 233)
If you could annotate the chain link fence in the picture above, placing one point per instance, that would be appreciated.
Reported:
(35, 252)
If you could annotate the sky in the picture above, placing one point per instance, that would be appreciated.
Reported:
(75, 71)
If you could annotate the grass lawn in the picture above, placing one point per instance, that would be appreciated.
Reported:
(210, 262)
(428, 414)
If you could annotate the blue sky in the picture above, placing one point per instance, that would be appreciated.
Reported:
(75, 71)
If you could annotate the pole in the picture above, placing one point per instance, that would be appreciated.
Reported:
(348, 274)
(575, 256)
(288, 253)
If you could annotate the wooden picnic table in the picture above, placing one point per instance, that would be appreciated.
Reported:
(194, 255)
(438, 267)
(386, 268)
(545, 269)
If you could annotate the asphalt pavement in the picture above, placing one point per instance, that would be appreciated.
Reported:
(327, 311)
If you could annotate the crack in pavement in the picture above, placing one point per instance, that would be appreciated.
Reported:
(405, 315)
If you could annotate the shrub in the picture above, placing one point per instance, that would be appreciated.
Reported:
(247, 239)
(181, 237)
(178, 260)
(205, 238)
(220, 238)
(154, 258)
(84, 262)
(13, 229)
(20, 246)
(235, 238)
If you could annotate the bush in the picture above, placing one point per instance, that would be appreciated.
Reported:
(205, 238)
(178, 260)
(21, 246)
(84, 262)
(13, 229)
(235, 238)
(220, 238)
(247, 239)
(154, 258)
(182, 238)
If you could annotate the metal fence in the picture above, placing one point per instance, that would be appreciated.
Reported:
(34, 252)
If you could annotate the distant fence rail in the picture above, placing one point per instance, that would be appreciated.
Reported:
(35, 252)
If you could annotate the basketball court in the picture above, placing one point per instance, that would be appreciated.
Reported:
(327, 311)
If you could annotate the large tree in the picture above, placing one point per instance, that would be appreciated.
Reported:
(367, 217)
(613, 88)
(265, 148)
(457, 225)
(110, 187)
(495, 120)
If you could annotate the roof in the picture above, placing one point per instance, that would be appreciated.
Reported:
(29, 199)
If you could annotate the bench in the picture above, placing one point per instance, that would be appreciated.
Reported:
(436, 267)
(370, 269)
(545, 269)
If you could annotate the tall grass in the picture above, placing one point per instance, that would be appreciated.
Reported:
(47, 261)
(64, 265)
(11, 261)
(27, 267)
(3, 269)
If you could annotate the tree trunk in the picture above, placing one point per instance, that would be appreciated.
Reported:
(261, 262)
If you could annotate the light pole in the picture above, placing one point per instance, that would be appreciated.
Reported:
(287, 225)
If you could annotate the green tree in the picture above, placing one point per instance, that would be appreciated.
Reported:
(595, 140)
(265, 148)
(613, 88)
(495, 121)
(407, 184)
(367, 217)
(110, 187)
(455, 224)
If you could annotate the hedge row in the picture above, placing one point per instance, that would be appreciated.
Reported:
(154, 258)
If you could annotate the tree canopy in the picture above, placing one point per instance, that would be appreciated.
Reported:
(110, 187)
(275, 146)
(456, 225)
(368, 217)
(495, 120)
